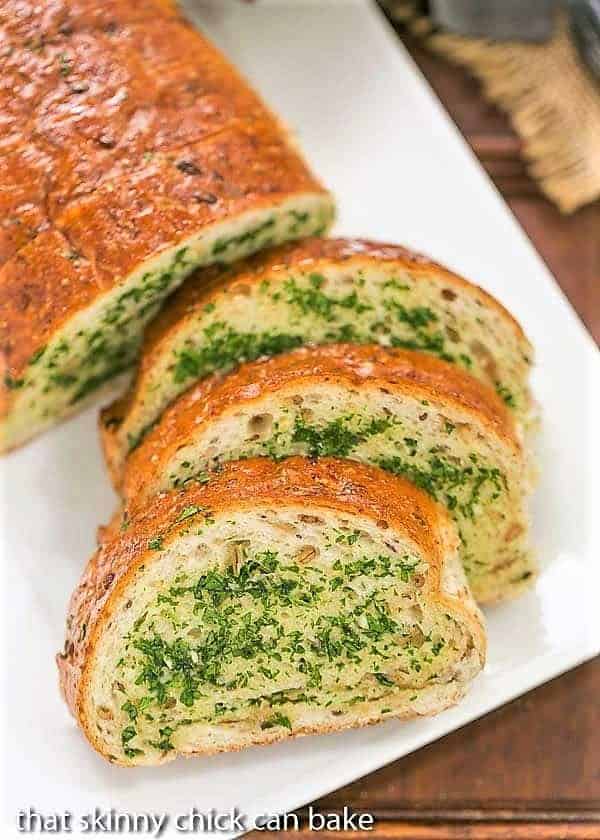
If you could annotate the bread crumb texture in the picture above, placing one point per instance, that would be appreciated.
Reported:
(412, 414)
(319, 291)
(279, 600)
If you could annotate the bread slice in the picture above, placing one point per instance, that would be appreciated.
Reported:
(282, 599)
(410, 413)
(318, 291)
(132, 152)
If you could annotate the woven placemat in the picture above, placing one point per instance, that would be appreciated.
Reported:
(551, 99)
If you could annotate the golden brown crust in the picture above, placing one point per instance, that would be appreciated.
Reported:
(337, 485)
(107, 234)
(29, 21)
(112, 450)
(124, 132)
(365, 366)
(34, 305)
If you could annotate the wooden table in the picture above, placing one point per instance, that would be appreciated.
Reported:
(532, 768)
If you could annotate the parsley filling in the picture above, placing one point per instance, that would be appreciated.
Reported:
(225, 347)
(70, 368)
(278, 315)
(258, 637)
(311, 315)
(460, 487)
(467, 485)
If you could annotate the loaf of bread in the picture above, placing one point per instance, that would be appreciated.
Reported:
(318, 291)
(281, 599)
(132, 152)
(412, 414)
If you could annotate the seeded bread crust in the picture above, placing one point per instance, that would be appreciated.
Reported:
(329, 484)
(212, 285)
(126, 137)
(26, 20)
(401, 372)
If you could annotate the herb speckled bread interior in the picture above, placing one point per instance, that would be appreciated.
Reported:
(410, 413)
(132, 152)
(281, 599)
(318, 291)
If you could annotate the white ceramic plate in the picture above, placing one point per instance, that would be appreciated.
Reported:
(379, 138)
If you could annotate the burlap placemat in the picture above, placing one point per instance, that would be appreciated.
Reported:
(551, 99)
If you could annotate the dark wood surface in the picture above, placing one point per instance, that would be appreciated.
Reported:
(570, 245)
(532, 768)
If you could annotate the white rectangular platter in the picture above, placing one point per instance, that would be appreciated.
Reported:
(401, 172)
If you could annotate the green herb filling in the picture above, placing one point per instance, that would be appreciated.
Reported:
(267, 632)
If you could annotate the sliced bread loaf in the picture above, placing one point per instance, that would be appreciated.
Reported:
(132, 152)
(318, 291)
(410, 413)
(282, 599)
